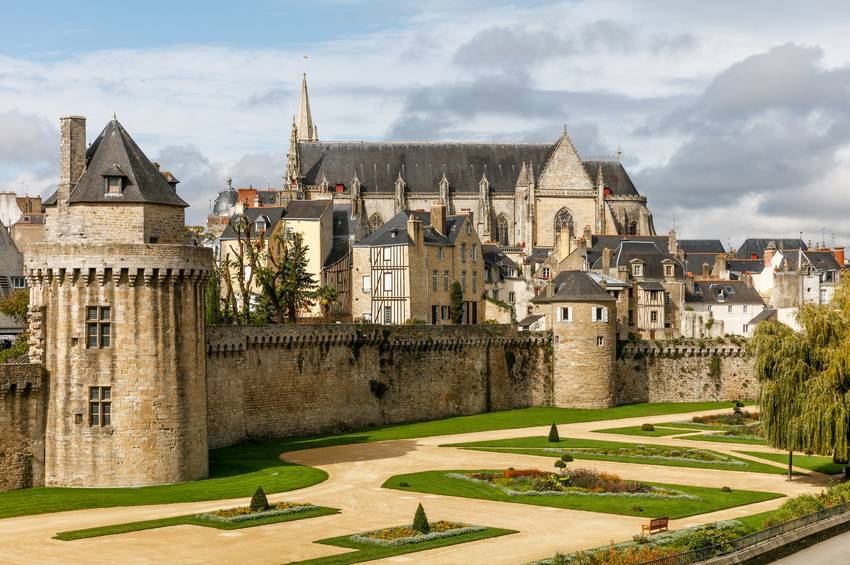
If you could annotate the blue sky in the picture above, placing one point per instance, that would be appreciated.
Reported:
(723, 109)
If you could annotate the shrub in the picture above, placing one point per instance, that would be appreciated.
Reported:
(648, 427)
(637, 508)
(512, 473)
(726, 489)
(259, 502)
(709, 536)
(553, 434)
(404, 484)
(420, 521)
(560, 465)
(567, 458)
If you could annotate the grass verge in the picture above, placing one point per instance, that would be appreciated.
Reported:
(237, 471)
(368, 552)
(815, 463)
(637, 431)
(539, 445)
(192, 520)
(709, 499)
(723, 438)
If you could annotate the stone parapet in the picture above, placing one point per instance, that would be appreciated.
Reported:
(228, 339)
(20, 379)
(131, 262)
(648, 350)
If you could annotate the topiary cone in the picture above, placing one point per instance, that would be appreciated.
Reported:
(420, 521)
(259, 502)
(553, 434)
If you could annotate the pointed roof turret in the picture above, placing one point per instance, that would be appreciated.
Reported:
(306, 129)
(114, 153)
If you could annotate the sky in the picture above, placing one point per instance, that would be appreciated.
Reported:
(733, 117)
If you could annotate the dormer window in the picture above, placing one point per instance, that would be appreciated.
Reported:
(637, 269)
(668, 270)
(114, 185)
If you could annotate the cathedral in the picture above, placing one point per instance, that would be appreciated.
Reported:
(519, 194)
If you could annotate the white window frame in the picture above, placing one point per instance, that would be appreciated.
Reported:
(387, 254)
(511, 297)
(388, 281)
(366, 283)
(668, 270)
(545, 272)
(474, 281)
(474, 252)
(561, 310)
(600, 341)
(599, 314)
(637, 269)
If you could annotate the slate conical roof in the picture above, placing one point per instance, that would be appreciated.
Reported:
(114, 151)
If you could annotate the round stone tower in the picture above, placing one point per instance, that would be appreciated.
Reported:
(117, 319)
(583, 320)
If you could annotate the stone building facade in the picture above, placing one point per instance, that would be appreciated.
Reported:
(116, 318)
(519, 194)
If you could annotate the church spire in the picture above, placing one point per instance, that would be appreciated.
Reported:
(306, 129)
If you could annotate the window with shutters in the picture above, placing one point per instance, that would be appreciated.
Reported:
(600, 314)
(564, 314)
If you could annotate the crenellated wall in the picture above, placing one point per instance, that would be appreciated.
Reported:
(275, 381)
(23, 393)
(651, 373)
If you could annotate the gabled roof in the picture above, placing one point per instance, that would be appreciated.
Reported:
(529, 320)
(574, 286)
(306, 209)
(745, 265)
(271, 215)
(756, 245)
(724, 292)
(114, 153)
(764, 315)
(647, 251)
(614, 176)
(701, 246)
(394, 231)
(495, 257)
(695, 261)
(821, 260)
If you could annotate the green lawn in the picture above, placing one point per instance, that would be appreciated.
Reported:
(811, 462)
(238, 470)
(723, 438)
(538, 445)
(637, 431)
(691, 426)
(193, 520)
(710, 499)
(369, 552)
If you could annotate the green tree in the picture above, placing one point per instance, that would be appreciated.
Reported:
(553, 434)
(456, 297)
(327, 297)
(561, 466)
(214, 313)
(16, 304)
(805, 379)
(259, 502)
(286, 285)
(420, 521)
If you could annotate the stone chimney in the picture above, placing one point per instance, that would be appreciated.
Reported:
(438, 217)
(672, 243)
(72, 156)
(706, 270)
(414, 230)
(839, 255)
(588, 234)
(562, 248)
(607, 256)
(769, 252)
(719, 265)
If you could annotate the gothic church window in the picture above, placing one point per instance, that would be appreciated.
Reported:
(502, 230)
(375, 221)
(564, 219)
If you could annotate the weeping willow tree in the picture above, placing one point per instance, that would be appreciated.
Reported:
(805, 379)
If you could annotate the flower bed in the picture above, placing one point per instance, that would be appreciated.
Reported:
(403, 535)
(730, 419)
(243, 513)
(653, 452)
(575, 482)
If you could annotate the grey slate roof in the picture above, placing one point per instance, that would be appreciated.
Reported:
(495, 257)
(822, 260)
(648, 250)
(378, 164)
(754, 246)
(115, 153)
(766, 314)
(651, 285)
(394, 231)
(745, 265)
(724, 292)
(306, 209)
(695, 261)
(529, 320)
(701, 246)
(574, 286)
(272, 216)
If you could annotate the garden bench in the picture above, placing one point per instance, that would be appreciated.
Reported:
(655, 525)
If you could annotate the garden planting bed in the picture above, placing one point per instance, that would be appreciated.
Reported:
(403, 535)
(684, 454)
(575, 482)
(244, 513)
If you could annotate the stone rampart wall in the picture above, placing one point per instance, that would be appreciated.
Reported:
(276, 381)
(23, 390)
(649, 373)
